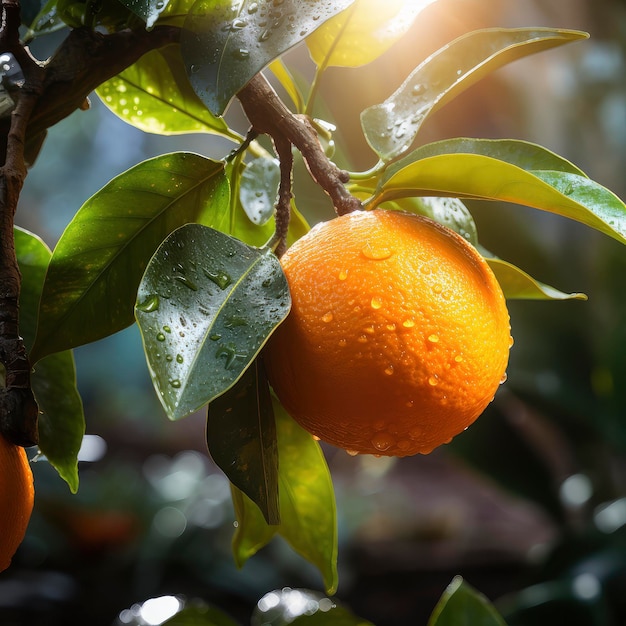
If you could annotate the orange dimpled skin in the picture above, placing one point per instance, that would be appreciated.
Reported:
(398, 337)
(16, 499)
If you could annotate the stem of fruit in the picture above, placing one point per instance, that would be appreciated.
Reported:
(268, 115)
(283, 205)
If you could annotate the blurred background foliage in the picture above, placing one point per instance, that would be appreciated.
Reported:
(529, 504)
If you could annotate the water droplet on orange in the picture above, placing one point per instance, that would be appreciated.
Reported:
(315, 438)
(342, 343)
(511, 342)
(327, 317)
(437, 288)
(503, 379)
(389, 370)
(458, 358)
(343, 274)
(382, 441)
(376, 303)
(376, 253)
(433, 381)
(433, 338)
(370, 330)
(408, 323)
(352, 452)
(391, 326)
(362, 339)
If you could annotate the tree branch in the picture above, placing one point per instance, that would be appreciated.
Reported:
(268, 115)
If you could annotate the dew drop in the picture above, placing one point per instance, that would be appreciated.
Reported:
(343, 274)
(221, 279)
(316, 438)
(511, 341)
(410, 404)
(167, 329)
(382, 441)
(362, 339)
(253, 7)
(169, 358)
(376, 253)
(179, 358)
(215, 336)
(265, 35)
(241, 54)
(458, 358)
(175, 383)
(433, 381)
(504, 378)
(408, 323)
(391, 326)
(376, 303)
(433, 338)
(185, 281)
(370, 330)
(437, 289)
(342, 343)
(327, 317)
(389, 370)
(150, 304)
(160, 337)
(238, 24)
(352, 452)
(418, 89)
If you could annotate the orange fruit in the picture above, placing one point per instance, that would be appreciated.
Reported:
(17, 496)
(398, 336)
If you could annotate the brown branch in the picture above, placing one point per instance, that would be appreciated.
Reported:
(283, 206)
(268, 115)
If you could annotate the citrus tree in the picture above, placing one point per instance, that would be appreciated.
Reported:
(383, 331)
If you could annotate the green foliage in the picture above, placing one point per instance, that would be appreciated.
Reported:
(183, 243)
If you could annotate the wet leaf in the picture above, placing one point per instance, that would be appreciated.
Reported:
(461, 604)
(307, 504)
(205, 306)
(362, 33)
(483, 177)
(391, 127)
(92, 281)
(259, 187)
(517, 284)
(155, 96)
(302, 607)
(226, 43)
(147, 10)
(241, 436)
(61, 422)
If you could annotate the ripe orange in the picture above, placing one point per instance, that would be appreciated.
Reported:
(398, 337)
(16, 499)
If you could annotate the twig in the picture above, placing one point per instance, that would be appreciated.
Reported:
(283, 205)
(268, 115)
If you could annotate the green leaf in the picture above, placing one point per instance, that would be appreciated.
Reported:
(241, 436)
(46, 21)
(517, 284)
(307, 504)
(477, 176)
(200, 614)
(259, 187)
(96, 267)
(391, 127)
(362, 33)
(302, 607)
(462, 605)
(155, 96)
(529, 156)
(226, 43)
(61, 422)
(205, 306)
(147, 10)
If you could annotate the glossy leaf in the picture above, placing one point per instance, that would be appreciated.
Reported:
(517, 284)
(226, 43)
(45, 22)
(460, 604)
(391, 127)
(147, 10)
(205, 306)
(175, 13)
(61, 422)
(241, 436)
(259, 188)
(307, 504)
(302, 607)
(96, 267)
(155, 96)
(478, 176)
(362, 33)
